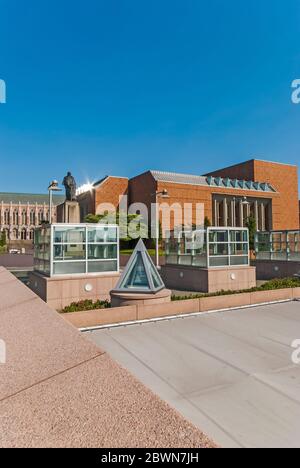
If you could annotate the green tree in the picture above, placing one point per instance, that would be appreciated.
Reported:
(134, 227)
(3, 239)
(251, 225)
(207, 222)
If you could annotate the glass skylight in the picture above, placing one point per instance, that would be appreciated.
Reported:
(140, 274)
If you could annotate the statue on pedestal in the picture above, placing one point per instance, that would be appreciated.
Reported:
(70, 186)
(69, 211)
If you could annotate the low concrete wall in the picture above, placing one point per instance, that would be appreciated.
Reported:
(16, 261)
(270, 269)
(115, 315)
(92, 318)
(208, 280)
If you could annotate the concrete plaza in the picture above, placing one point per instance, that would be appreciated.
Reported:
(229, 373)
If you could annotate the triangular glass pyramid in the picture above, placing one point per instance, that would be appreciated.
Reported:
(140, 274)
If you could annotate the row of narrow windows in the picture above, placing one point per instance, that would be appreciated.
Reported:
(16, 235)
(16, 217)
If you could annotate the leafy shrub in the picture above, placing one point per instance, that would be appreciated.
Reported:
(86, 305)
(284, 283)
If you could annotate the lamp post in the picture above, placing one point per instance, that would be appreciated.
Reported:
(158, 194)
(53, 187)
(244, 202)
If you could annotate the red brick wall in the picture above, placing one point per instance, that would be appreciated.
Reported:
(87, 204)
(283, 177)
(243, 171)
(142, 188)
(180, 193)
(110, 191)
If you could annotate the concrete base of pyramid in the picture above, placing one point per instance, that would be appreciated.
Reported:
(120, 299)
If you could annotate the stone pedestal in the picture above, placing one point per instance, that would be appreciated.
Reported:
(68, 212)
(208, 280)
(270, 269)
(119, 299)
(60, 292)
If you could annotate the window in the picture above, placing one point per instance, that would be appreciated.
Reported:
(24, 217)
(15, 217)
(40, 216)
(32, 216)
(23, 234)
(6, 216)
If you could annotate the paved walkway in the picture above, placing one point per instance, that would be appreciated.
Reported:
(59, 390)
(229, 373)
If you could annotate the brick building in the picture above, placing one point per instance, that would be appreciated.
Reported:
(266, 190)
(21, 213)
(106, 191)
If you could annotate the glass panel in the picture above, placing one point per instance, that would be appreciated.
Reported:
(200, 261)
(136, 277)
(239, 260)
(172, 259)
(239, 236)
(100, 251)
(69, 252)
(218, 249)
(69, 235)
(219, 261)
(239, 249)
(185, 260)
(157, 282)
(102, 234)
(68, 268)
(218, 236)
(101, 267)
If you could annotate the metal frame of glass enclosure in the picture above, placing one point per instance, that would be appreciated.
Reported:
(278, 245)
(214, 247)
(76, 249)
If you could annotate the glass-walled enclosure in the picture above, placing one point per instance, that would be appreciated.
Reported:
(207, 248)
(68, 249)
(278, 245)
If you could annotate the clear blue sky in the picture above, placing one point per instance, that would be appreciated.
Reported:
(121, 86)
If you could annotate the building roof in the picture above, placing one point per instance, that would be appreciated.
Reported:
(30, 198)
(210, 181)
(99, 182)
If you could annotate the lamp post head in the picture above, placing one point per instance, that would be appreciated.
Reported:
(54, 186)
(163, 194)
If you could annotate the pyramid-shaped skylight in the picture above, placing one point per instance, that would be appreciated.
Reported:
(140, 274)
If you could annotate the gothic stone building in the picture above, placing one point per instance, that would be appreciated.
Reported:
(21, 213)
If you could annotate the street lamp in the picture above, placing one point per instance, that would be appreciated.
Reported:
(244, 202)
(53, 187)
(158, 194)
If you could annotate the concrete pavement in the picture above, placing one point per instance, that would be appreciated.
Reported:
(229, 373)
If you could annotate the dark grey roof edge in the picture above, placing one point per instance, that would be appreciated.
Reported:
(31, 198)
(204, 181)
